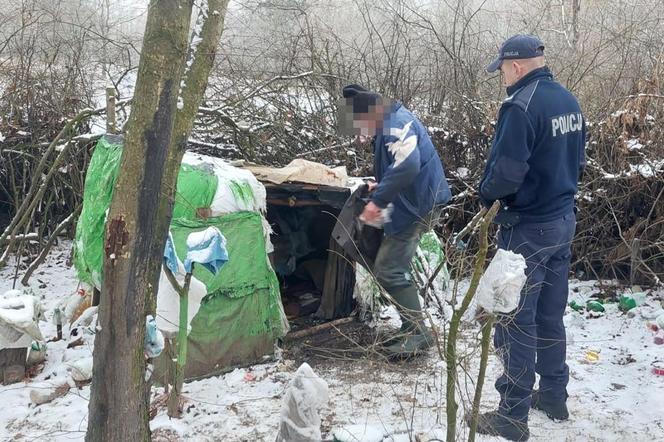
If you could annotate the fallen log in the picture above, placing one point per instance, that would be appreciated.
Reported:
(317, 329)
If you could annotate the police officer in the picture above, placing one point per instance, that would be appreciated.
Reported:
(411, 183)
(535, 163)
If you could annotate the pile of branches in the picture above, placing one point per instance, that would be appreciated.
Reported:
(43, 160)
(620, 231)
(620, 223)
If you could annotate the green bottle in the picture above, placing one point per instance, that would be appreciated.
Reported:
(595, 305)
(626, 303)
(576, 307)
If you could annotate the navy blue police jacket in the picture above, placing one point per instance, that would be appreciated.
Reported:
(538, 152)
(408, 169)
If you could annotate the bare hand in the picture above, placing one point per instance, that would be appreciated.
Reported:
(372, 185)
(482, 316)
(371, 213)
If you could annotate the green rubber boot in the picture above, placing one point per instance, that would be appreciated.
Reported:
(414, 337)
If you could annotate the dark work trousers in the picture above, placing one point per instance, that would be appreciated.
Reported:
(392, 269)
(532, 339)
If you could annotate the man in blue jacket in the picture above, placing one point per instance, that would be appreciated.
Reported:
(534, 166)
(411, 184)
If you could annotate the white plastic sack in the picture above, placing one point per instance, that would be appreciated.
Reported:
(168, 302)
(81, 369)
(500, 287)
(18, 320)
(306, 394)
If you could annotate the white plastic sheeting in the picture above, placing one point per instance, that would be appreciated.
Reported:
(305, 395)
(19, 314)
(168, 301)
(500, 287)
(225, 200)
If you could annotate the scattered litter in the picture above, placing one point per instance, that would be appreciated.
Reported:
(46, 394)
(575, 306)
(306, 394)
(19, 314)
(595, 305)
(659, 337)
(249, 377)
(626, 303)
(500, 287)
(57, 317)
(81, 369)
(86, 321)
(74, 305)
(36, 353)
(660, 321)
(154, 340)
(591, 357)
(658, 368)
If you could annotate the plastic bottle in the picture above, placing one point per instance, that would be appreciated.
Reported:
(595, 305)
(58, 322)
(626, 303)
(575, 306)
(639, 298)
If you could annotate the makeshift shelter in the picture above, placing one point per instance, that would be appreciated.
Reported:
(240, 314)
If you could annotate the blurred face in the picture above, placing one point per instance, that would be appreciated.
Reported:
(368, 124)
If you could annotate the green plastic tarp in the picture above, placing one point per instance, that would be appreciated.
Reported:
(241, 315)
(196, 187)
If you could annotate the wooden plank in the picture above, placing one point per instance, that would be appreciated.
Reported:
(317, 329)
(635, 262)
(292, 202)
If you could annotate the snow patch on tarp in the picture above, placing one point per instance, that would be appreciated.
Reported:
(237, 189)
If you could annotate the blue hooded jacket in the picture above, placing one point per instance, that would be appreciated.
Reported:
(408, 169)
(538, 151)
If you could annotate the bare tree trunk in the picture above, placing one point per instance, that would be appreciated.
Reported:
(168, 94)
(133, 252)
(576, 7)
(208, 28)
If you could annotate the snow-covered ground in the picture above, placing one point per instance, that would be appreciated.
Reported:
(616, 398)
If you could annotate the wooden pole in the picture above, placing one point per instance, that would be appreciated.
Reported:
(111, 122)
(635, 261)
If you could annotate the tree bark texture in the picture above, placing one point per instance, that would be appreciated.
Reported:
(134, 244)
(168, 93)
